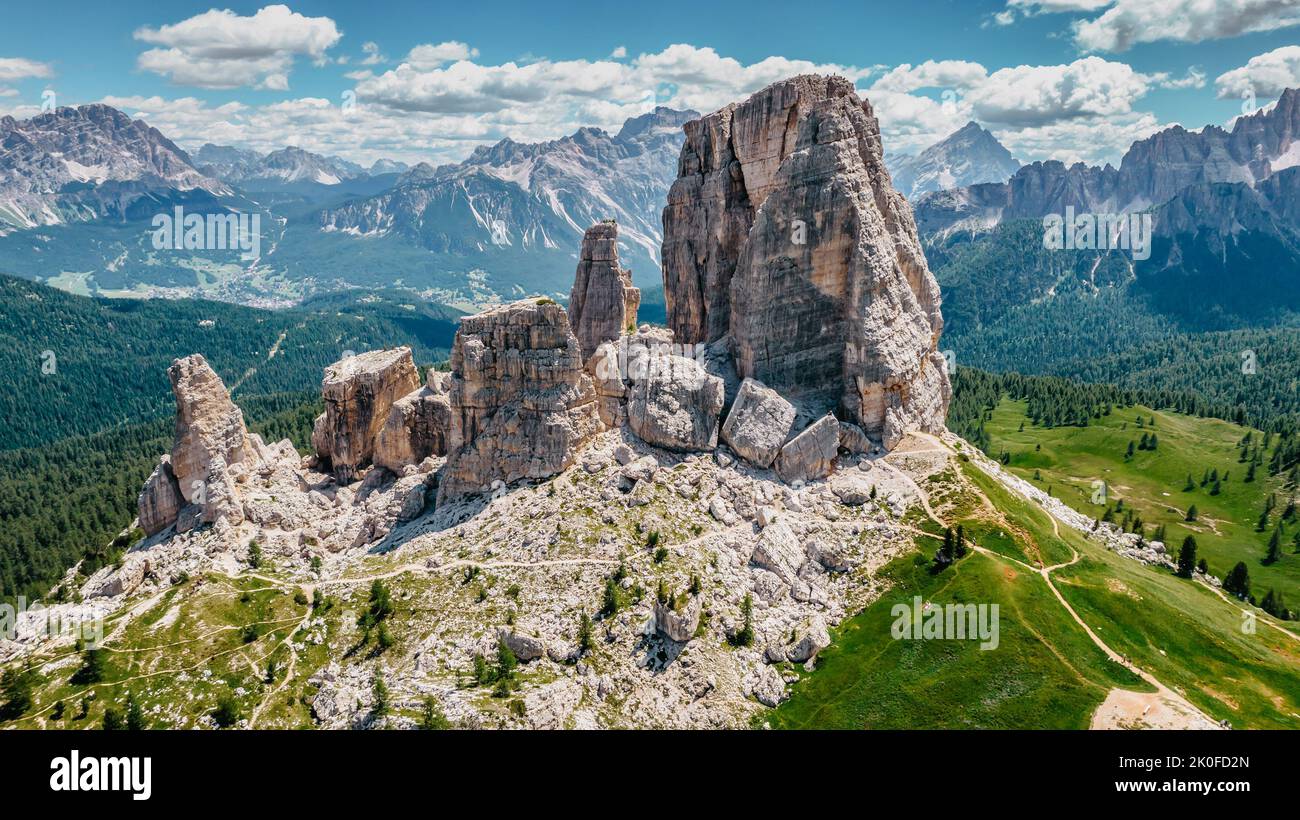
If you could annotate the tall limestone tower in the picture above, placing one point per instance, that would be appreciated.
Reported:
(784, 233)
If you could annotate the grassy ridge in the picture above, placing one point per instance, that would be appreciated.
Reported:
(1071, 459)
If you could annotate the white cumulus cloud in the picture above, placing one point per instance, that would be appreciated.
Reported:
(220, 49)
(1265, 75)
(1127, 23)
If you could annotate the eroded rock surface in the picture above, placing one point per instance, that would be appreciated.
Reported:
(359, 394)
(783, 230)
(520, 401)
(603, 302)
(208, 424)
(758, 424)
(417, 426)
(676, 405)
(160, 501)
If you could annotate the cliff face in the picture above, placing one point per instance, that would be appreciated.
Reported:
(359, 394)
(784, 231)
(208, 425)
(603, 302)
(520, 401)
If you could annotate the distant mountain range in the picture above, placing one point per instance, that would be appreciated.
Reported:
(1223, 206)
(1152, 173)
(536, 198)
(240, 166)
(968, 156)
(87, 163)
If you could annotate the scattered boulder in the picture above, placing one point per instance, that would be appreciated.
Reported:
(853, 440)
(777, 551)
(526, 647)
(758, 424)
(359, 394)
(811, 454)
(814, 639)
(676, 405)
(828, 555)
(125, 580)
(678, 625)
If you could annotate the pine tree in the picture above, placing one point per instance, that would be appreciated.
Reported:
(432, 717)
(380, 689)
(1191, 514)
(1274, 548)
(1238, 581)
(584, 633)
(135, 720)
(1187, 557)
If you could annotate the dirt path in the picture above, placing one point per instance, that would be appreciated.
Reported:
(1175, 710)
(1265, 617)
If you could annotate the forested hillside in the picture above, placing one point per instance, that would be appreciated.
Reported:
(66, 501)
(72, 365)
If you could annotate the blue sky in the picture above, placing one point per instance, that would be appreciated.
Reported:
(1069, 79)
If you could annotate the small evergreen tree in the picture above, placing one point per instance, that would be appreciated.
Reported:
(135, 720)
(1274, 548)
(1187, 557)
(1238, 581)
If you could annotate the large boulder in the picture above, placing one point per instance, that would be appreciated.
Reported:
(359, 393)
(783, 231)
(603, 302)
(678, 624)
(760, 421)
(417, 426)
(208, 425)
(521, 404)
(811, 454)
(675, 404)
(160, 501)
(814, 638)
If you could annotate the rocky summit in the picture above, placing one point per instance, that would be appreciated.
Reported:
(783, 233)
(693, 486)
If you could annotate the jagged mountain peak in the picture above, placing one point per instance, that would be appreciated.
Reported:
(968, 156)
(55, 164)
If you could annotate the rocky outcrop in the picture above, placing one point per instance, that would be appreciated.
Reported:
(811, 454)
(603, 302)
(814, 639)
(678, 623)
(675, 405)
(220, 499)
(783, 230)
(160, 501)
(208, 425)
(758, 424)
(520, 401)
(359, 394)
(417, 426)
